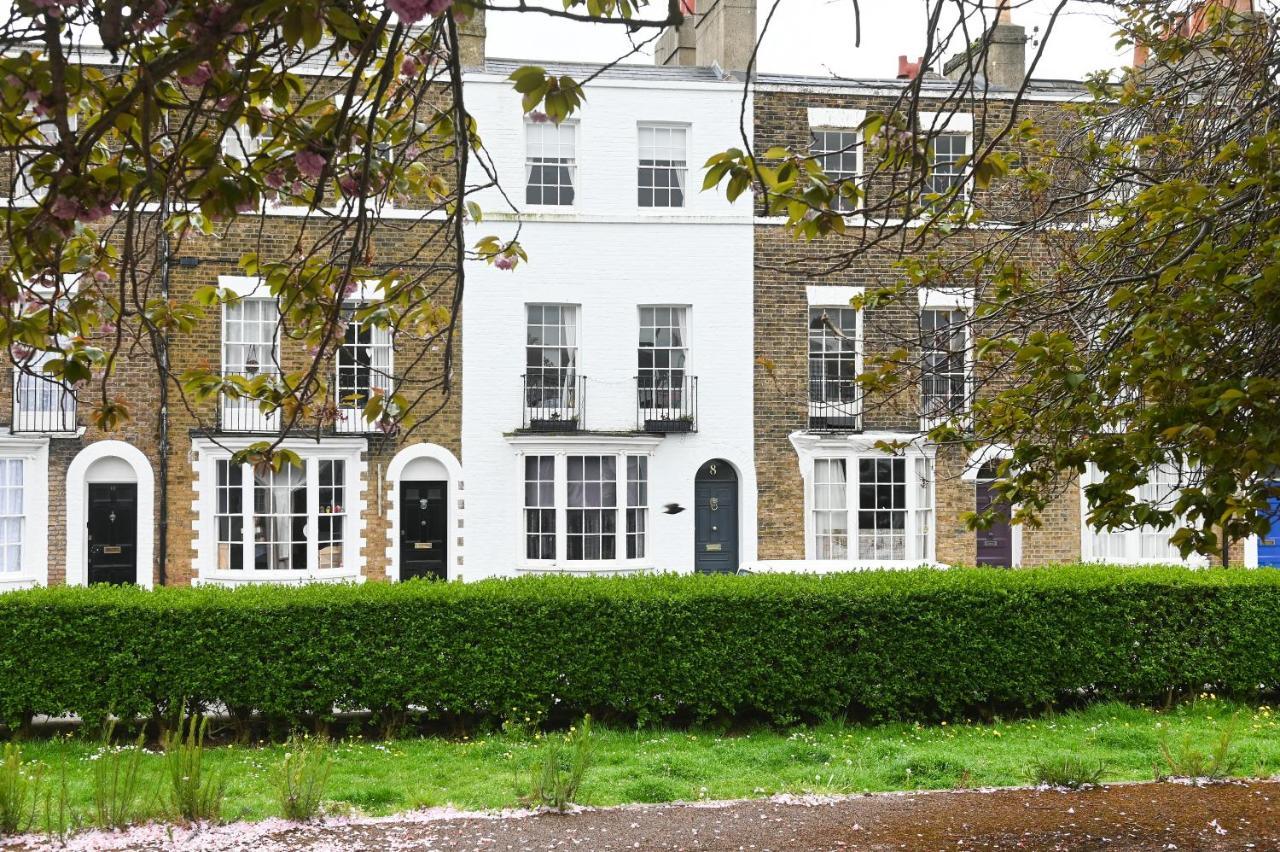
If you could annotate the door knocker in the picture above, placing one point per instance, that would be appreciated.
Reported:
(422, 504)
(112, 517)
(715, 504)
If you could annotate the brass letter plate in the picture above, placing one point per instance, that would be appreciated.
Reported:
(422, 545)
(713, 548)
(112, 549)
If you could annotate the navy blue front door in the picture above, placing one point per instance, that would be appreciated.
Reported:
(715, 499)
(1269, 544)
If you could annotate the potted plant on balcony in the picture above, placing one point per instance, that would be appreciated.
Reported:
(665, 425)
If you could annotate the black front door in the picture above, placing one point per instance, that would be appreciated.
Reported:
(424, 516)
(715, 500)
(113, 532)
(995, 543)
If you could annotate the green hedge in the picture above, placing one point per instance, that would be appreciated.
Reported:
(893, 645)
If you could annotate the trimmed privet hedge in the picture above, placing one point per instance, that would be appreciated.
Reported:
(893, 645)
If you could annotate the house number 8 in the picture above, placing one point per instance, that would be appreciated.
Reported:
(711, 469)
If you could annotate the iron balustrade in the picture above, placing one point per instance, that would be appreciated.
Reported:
(836, 415)
(666, 402)
(42, 405)
(553, 400)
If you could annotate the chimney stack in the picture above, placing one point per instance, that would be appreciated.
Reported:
(471, 38)
(724, 34)
(677, 45)
(1005, 61)
(909, 70)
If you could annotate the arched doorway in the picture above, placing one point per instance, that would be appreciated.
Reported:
(995, 543)
(110, 515)
(715, 501)
(424, 481)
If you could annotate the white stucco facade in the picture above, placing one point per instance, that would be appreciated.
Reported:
(607, 257)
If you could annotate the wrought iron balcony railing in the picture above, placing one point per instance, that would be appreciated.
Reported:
(553, 400)
(666, 402)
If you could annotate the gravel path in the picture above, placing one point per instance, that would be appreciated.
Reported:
(1169, 816)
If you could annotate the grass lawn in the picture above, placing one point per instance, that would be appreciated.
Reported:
(666, 765)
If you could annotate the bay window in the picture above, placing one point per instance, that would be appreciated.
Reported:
(1142, 543)
(291, 522)
(872, 509)
(585, 509)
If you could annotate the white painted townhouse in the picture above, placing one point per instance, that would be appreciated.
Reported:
(607, 417)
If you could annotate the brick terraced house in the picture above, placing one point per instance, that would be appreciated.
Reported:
(609, 413)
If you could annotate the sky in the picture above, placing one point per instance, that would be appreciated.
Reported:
(817, 37)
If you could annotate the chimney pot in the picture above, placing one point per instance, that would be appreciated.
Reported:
(909, 70)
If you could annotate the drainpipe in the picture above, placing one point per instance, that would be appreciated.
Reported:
(162, 354)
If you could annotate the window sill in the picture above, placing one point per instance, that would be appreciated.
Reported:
(835, 566)
(14, 582)
(276, 578)
(77, 432)
(586, 569)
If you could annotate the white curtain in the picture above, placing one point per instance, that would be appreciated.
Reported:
(680, 348)
(569, 330)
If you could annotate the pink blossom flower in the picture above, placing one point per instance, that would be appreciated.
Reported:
(97, 211)
(202, 74)
(505, 262)
(410, 67)
(107, 327)
(226, 102)
(275, 179)
(32, 96)
(435, 8)
(538, 117)
(408, 11)
(309, 163)
(102, 276)
(349, 185)
(348, 288)
(64, 208)
(247, 206)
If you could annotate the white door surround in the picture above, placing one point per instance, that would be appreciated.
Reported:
(108, 461)
(424, 461)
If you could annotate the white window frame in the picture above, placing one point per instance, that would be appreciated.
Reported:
(949, 299)
(560, 449)
(34, 560)
(352, 419)
(839, 120)
(1096, 544)
(24, 194)
(571, 127)
(569, 401)
(917, 459)
(679, 402)
(834, 298)
(678, 172)
(935, 124)
(237, 414)
(351, 451)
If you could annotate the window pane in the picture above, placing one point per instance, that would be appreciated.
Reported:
(550, 163)
(663, 168)
(539, 512)
(882, 504)
(830, 514)
(12, 517)
(637, 505)
(660, 358)
(591, 516)
(836, 152)
(944, 352)
(551, 356)
(280, 519)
